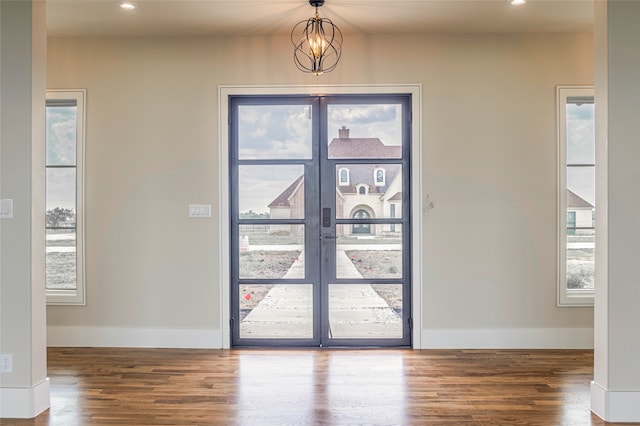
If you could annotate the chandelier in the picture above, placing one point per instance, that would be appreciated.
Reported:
(317, 43)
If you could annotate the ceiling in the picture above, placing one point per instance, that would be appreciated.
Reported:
(82, 18)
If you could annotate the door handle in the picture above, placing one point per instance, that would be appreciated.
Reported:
(327, 237)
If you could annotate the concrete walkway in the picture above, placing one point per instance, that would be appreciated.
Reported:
(355, 310)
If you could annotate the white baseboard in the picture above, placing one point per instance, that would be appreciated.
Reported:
(508, 338)
(134, 337)
(618, 407)
(24, 403)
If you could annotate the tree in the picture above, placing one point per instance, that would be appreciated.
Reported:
(59, 215)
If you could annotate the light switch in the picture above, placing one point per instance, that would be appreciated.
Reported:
(6, 209)
(199, 210)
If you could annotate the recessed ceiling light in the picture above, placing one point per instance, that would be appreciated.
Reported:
(127, 5)
(518, 2)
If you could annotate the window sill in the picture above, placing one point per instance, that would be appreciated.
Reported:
(576, 298)
(65, 297)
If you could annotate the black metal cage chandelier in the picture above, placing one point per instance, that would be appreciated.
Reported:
(317, 43)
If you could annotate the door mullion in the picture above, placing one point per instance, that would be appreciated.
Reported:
(312, 189)
(327, 233)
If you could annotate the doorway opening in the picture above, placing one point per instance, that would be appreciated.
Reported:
(305, 270)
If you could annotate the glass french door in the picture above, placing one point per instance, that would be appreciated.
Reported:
(320, 224)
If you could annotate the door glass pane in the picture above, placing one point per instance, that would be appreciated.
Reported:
(61, 259)
(274, 131)
(370, 257)
(365, 130)
(271, 191)
(276, 311)
(271, 251)
(365, 311)
(368, 189)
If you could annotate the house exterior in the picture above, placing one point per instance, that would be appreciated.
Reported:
(363, 191)
(580, 212)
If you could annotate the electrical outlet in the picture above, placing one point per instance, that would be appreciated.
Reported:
(6, 363)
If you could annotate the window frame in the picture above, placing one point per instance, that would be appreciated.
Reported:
(78, 295)
(567, 297)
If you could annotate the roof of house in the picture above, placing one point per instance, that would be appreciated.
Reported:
(347, 147)
(396, 197)
(362, 148)
(282, 200)
(574, 201)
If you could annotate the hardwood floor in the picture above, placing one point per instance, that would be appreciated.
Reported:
(107, 386)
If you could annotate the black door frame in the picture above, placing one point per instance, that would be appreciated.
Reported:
(320, 244)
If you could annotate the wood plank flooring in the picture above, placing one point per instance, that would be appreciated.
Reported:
(108, 386)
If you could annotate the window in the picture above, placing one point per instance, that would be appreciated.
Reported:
(64, 196)
(571, 223)
(379, 177)
(343, 177)
(392, 214)
(361, 228)
(362, 190)
(576, 196)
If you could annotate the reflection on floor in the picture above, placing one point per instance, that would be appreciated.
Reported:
(126, 386)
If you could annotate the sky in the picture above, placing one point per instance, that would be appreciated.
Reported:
(260, 185)
(581, 150)
(265, 132)
(61, 151)
(285, 132)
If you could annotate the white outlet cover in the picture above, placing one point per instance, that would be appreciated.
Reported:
(6, 363)
(6, 208)
(199, 210)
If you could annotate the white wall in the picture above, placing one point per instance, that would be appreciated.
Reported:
(488, 147)
(615, 390)
(24, 391)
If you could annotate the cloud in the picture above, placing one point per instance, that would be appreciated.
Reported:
(383, 121)
(581, 150)
(61, 151)
(580, 134)
(61, 188)
(61, 135)
(274, 131)
(364, 114)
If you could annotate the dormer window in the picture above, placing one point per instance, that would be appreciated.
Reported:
(343, 177)
(379, 177)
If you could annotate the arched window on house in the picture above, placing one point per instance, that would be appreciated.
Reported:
(343, 177)
(379, 177)
(362, 190)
